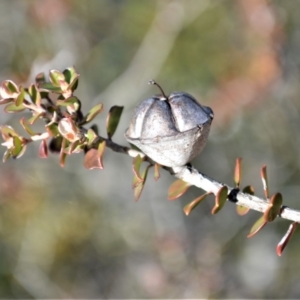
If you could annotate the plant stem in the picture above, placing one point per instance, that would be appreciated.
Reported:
(197, 179)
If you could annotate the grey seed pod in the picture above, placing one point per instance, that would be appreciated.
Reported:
(170, 130)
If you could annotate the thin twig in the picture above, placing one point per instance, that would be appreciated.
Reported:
(197, 179)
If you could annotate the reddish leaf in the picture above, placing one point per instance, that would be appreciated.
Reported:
(92, 160)
(177, 189)
(274, 208)
(264, 178)
(62, 154)
(12, 108)
(220, 200)
(156, 171)
(20, 98)
(258, 225)
(43, 149)
(6, 100)
(238, 172)
(189, 207)
(284, 241)
(113, 119)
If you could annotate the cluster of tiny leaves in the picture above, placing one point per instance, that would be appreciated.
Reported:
(67, 129)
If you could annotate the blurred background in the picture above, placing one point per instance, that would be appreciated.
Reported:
(72, 233)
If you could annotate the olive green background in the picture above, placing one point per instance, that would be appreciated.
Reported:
(73, 233)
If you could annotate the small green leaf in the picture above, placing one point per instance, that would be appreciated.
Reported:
(26, 127)
(238, 172)
(136, 165)
(258, 225)
(69, 101)
(49, 87)
(220, 200)
(7, 131)
(156, 171)
(91, 136)
(286, 238)
(138, 188)
(70, 74)
(274, 208)
(74, 84)
(264, 178)
(52, 129)
(177, 189)
(93, 113)
(35, 117)
(101, 149)
(18, 149)
(189, 207)
(35, 95)
(71, 77)
(13, 108)
(276, 201)
(113, 119)
(56, 77)
(8, 89)
(20, 98)
(43, 149)
(92, 160)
